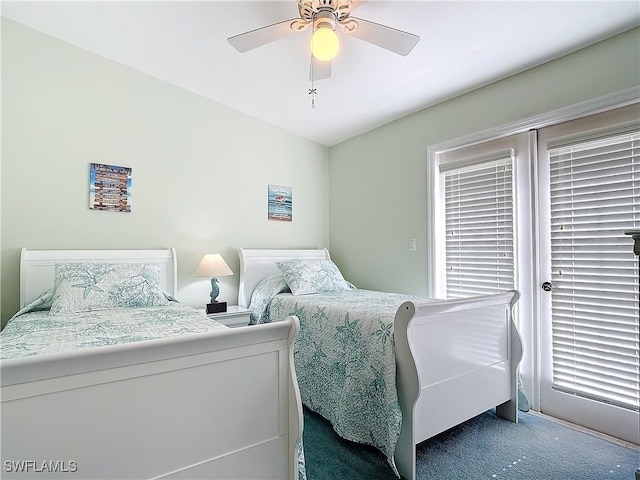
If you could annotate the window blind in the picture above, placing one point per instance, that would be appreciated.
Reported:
(595, 198)
(479, 246)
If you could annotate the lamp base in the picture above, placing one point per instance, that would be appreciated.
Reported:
(217, 307)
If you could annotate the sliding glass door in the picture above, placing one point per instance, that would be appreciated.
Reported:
(589, 191)
(545, 211)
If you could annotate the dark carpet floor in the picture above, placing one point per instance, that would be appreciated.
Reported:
(485, 447)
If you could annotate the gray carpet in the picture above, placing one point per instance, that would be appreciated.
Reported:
(485, 447)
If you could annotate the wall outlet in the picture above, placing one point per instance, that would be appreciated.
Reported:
(412, 244)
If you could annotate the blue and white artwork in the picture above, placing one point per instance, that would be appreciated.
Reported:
(280, 203)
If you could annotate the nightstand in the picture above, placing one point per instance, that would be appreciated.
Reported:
(235, 316)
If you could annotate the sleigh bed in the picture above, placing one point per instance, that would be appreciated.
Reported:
(385, 369)
(207, 401)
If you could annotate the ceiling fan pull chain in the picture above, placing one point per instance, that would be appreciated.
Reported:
(312, 90)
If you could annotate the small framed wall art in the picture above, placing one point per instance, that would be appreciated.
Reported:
(280, 203)
(109, 188)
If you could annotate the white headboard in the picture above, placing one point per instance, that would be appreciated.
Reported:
(37, 267)
(257, 264)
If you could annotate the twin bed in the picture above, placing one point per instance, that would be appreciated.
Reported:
(385, 369)
(209, 401)
(86, 395)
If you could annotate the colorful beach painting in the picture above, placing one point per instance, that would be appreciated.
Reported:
(280, 203)
(109, 188)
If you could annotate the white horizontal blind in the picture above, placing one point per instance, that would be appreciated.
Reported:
(595, 198)
(479, 247)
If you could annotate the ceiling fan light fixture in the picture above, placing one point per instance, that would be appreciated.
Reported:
(324, 44)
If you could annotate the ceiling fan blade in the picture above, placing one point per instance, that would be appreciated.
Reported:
(319, 70)
(386, 37)
(261, 36)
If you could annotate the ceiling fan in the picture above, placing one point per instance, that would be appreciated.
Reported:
(323, 16)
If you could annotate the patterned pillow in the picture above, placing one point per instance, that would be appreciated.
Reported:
(262, 295)
(83, 287)
(312, 276)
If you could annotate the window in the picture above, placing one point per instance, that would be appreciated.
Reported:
(478, 210)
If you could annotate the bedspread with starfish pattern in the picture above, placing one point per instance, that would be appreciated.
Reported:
(40, 332)
(345, 361)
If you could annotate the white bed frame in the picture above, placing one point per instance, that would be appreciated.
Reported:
(219, 405)
(455, 358)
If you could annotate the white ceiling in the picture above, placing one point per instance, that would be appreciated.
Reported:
(464, 45)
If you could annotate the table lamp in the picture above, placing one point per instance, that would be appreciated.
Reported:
(213, 265)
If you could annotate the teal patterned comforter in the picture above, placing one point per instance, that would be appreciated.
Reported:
(345, 361)
(36, 332)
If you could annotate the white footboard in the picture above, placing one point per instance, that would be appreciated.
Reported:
(220, 405)
(455, 360)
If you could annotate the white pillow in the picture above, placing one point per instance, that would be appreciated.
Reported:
(312, 276)
(83, 287)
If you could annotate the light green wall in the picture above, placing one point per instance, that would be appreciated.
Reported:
(378, 180)
(200, 169)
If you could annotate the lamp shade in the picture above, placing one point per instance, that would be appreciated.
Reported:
(213, 265)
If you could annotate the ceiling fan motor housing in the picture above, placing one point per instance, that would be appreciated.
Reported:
(324, 19)
(309, 9)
